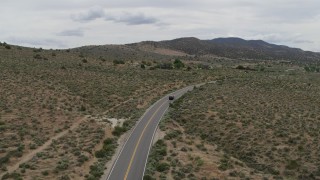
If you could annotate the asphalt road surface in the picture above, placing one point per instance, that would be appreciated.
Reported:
(131, 161)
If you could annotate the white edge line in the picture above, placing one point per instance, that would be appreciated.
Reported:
(151, 143)
(139, 123)
(154, 132)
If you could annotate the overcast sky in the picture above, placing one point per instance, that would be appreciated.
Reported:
(73, 23)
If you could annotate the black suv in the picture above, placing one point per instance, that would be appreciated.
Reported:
(171, 97)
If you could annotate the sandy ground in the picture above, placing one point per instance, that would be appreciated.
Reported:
(158, 135)
(116, 122)
(30, 155)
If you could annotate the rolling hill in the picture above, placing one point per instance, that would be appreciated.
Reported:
(230, 48)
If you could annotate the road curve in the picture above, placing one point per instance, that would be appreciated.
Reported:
(131, 161)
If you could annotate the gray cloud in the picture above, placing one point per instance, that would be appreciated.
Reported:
(92, 14)
(75, 32)
(293, 40)
(48, 23)
(303, 41)
(133, 19)
(114, 16)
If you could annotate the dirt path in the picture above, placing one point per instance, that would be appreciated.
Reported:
(30, 155)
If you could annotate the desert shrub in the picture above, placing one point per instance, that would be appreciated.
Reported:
(292, 164)
(225, 163)
(118, 131)
(161, 167)
(62, 165)
(148, 177)
(64, 177)
(312, 68)
(37, 56)
(45, 173)
(96, 171)
(100, 153)
(203, 66)
(158, 152)
(38, 50)
(7, 46)
(82, 158)
(172, 134)
(109, 146)
(82, 108)
(102, 59)
(178, 64)
(4, 160)
(115, 62)
(14, 175)
(164, 66)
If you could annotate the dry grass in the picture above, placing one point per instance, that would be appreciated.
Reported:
(45, 92)
(265, 123)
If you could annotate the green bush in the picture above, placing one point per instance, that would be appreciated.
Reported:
(62, 165)
(118, 131)
(100, 154)
(37, 56)
(7, 46)
(45, 173)
(115, 62)
(163, 167)
(225, 163)
(178, 64)
(292, 164)
(312, 68)
(96, 171)
(64, 177)
(164, 66)
(109, 146)
(148, 177)
(14, 175)
(4, 160)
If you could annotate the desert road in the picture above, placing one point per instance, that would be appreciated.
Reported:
(131, 161)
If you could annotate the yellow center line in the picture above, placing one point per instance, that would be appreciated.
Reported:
(135, 149)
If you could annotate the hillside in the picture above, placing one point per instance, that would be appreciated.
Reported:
(55, 106)
(58, 107)
(231, 48)
(247, 126)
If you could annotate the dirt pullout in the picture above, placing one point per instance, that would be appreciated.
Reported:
(169, 52)
(158, 135)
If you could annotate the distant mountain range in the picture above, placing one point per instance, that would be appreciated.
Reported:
(234, 48)
(228, 47)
